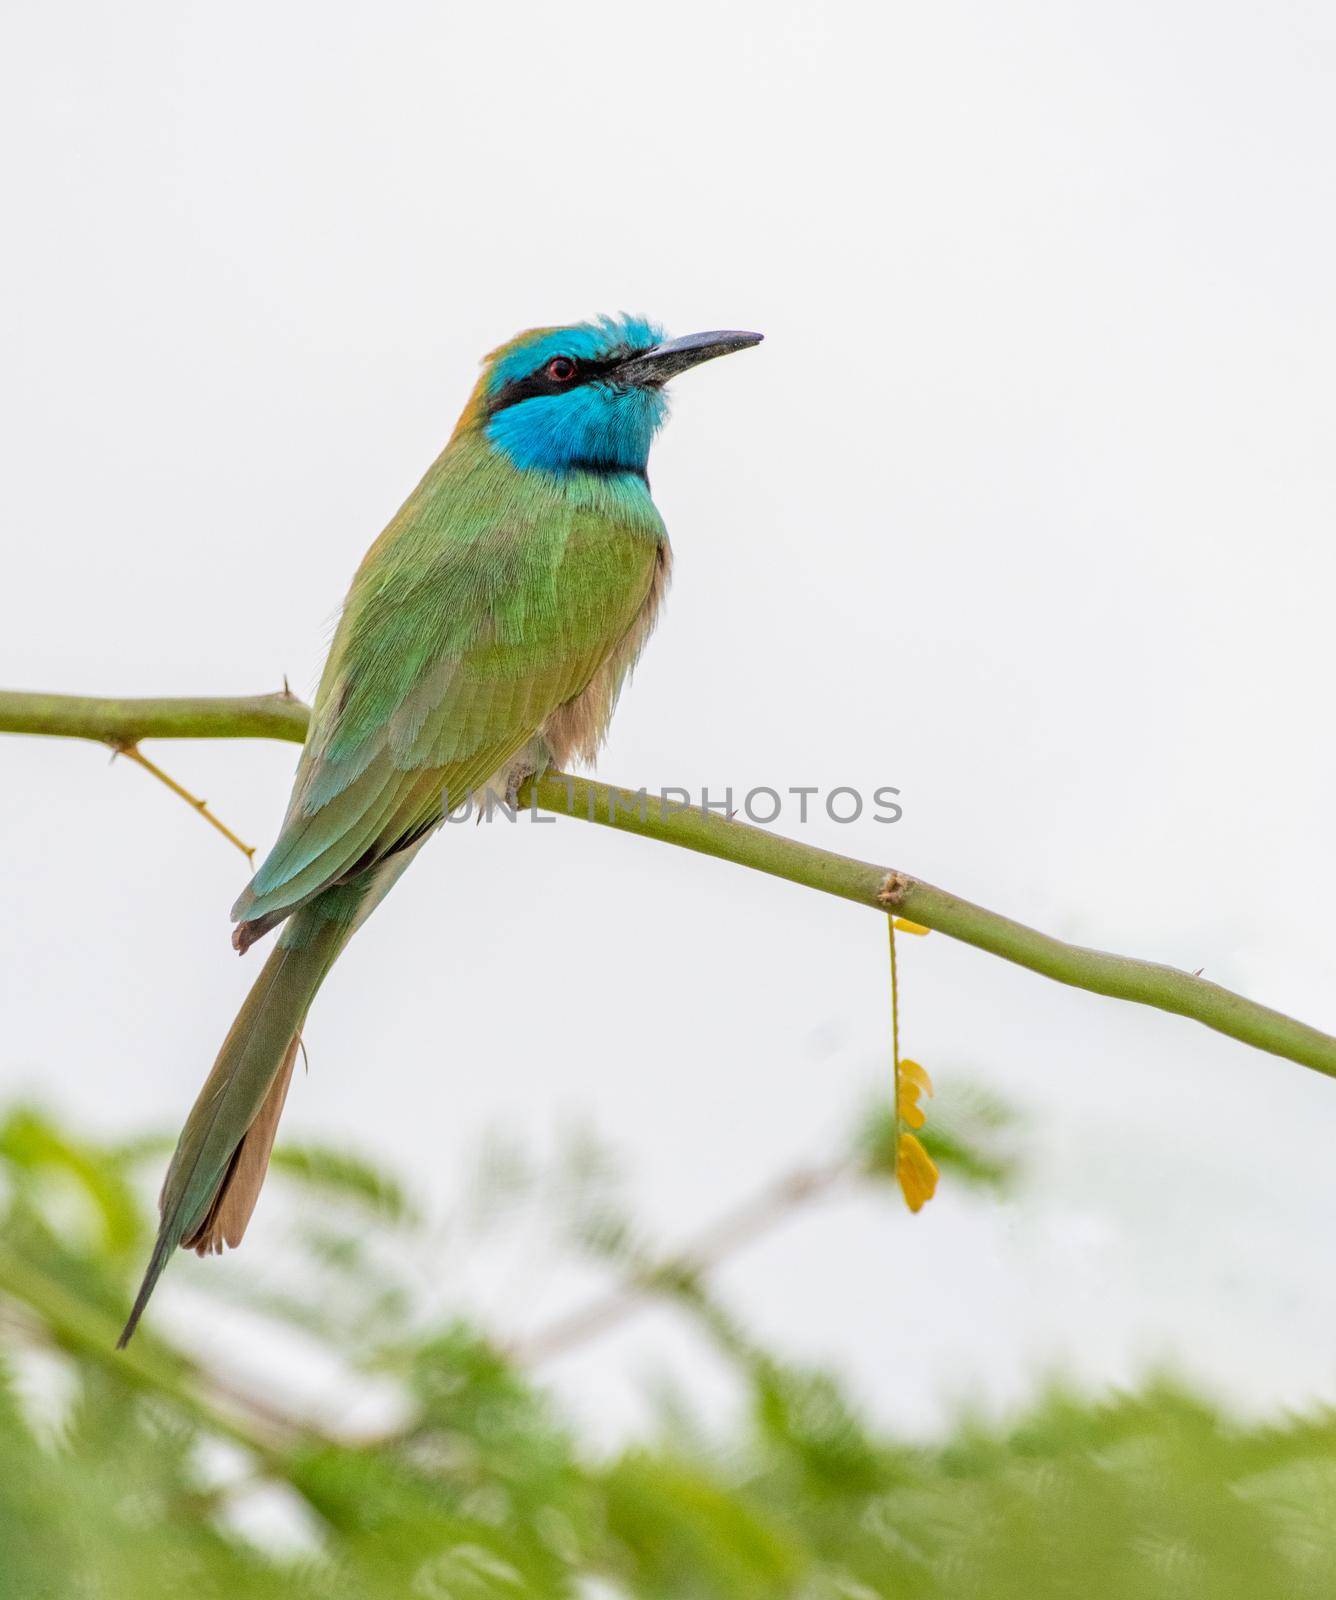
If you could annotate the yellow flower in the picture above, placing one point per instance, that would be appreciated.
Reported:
(911, 1081)
(916, 1170)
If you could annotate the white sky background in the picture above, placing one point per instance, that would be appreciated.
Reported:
(1026, 506)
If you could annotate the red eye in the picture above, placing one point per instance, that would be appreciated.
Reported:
(561, 369)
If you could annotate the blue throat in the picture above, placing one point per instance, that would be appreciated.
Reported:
(595, 428)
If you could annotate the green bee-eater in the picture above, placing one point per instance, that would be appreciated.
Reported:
(485, 637)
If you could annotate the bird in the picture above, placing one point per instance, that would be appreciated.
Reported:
(485, 637)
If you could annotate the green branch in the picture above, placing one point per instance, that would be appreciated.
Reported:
(120, 723)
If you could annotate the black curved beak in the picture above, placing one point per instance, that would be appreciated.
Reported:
(654, 367)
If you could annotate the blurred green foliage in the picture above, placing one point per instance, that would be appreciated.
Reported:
(145, 1476)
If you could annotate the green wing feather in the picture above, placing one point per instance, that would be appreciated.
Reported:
(490, 600)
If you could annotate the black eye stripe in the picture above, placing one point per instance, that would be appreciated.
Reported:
(540, 382)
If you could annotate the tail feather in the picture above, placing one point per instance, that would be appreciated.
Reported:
(224, 1223)
(222, 1155)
